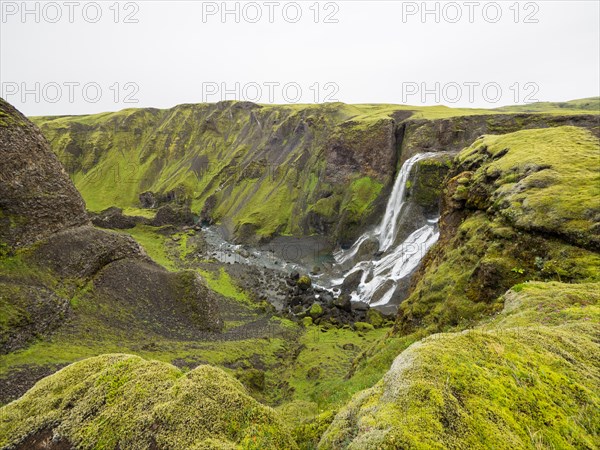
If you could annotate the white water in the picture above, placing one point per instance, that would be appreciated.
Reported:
(396, 262)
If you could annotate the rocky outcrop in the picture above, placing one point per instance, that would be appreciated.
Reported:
(114, 218)
(37, 198)
(44, 217)
(455, 133)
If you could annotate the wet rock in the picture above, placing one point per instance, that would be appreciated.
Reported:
(327, 298)
(367, 249)
(148, 200)
(359, 306)
(351, 282)
(343, 302)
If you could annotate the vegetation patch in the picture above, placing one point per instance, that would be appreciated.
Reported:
(125, 401)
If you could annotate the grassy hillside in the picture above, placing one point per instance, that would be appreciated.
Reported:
(517, 209)
(591, 104)
(263, 167)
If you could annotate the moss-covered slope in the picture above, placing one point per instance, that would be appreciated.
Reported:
(124, 401)
(529, 378)
(259, 170)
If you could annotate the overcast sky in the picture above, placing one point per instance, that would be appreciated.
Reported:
(72, 58)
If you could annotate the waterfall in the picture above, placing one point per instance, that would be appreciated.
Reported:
(389, 224)
(381, 276)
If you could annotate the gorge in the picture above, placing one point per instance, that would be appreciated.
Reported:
(236, 275)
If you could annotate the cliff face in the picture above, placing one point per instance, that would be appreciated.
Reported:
(37, 198)
(259, 170)
(263, 171)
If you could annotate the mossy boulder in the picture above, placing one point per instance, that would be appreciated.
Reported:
(124, 401)
(375, 318)
(304, 282)
(315, 311)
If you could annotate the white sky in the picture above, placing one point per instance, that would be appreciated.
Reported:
(373, 54)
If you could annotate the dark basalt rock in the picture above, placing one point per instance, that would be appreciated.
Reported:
(37, 198)
(114, 218)
(325, 308)
(171, 304)
(83, 251)
(40, 312)
(173, 215)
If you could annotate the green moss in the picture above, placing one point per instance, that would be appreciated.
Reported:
(304, 282)
(315, 311)
(527, 379)
(426, 188)
(154, 243)
(361, 195)
(124, 401)
(546, 180)
(465, 274)
(375, 318)
(224, 285)
(363, 326)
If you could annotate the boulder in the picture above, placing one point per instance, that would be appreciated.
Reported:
(359, 306)
(343, 302)
(173, 215)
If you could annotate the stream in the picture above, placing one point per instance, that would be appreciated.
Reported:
(378, 276)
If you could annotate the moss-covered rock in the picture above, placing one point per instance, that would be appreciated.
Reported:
(304, 282)
(363, 326)
(315, 311)
(123, 401)
(527, 379)
(375, 318)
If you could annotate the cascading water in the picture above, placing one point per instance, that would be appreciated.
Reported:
(380, 277)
